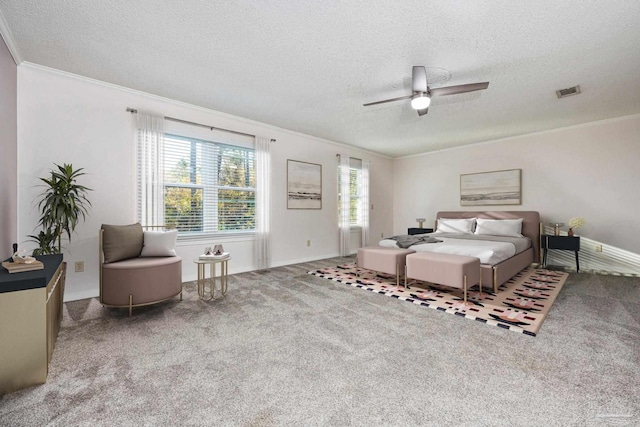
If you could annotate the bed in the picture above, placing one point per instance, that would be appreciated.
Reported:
(501, 257)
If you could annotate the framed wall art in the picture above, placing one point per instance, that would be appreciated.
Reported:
(304, 185)
(491, 188)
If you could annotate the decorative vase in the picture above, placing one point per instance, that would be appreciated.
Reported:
(570, 232)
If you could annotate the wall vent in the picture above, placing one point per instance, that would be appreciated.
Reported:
(563, 93)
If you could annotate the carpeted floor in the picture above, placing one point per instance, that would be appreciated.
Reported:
(520, 305)
(287, 348)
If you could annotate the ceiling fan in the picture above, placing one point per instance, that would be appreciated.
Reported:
(421, 97)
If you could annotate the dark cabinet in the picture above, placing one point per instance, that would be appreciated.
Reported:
(565, 243)
(413, 231)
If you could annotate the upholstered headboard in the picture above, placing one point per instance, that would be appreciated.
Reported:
(530, 223)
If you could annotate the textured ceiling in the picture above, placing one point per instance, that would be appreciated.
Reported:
(309, 66)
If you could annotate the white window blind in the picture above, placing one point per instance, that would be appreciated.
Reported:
(355, 208)
(209, 187)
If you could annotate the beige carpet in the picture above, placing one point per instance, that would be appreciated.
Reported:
(286, 348)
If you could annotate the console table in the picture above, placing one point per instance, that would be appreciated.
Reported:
(565, 243)
(30, 315)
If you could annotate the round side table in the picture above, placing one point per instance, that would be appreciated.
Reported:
(209, 294)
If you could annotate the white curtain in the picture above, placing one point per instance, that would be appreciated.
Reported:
(263, 186)
(364, 201)
(150, 141)
(343, 222)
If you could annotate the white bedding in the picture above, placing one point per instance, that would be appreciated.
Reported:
(488, 251)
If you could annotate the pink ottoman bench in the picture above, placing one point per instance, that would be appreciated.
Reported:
(383, 259)
(457, 271)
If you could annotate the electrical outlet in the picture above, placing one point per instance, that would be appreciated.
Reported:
(598, 248)
(79, 266)
(308, 242)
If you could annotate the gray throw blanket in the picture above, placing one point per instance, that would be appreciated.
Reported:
(407, 240)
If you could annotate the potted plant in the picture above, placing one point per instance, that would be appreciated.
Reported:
(46, 243)
(574, 223)
(62, 204)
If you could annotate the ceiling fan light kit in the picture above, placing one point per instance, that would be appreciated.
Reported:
(421, 97)
(420, 101)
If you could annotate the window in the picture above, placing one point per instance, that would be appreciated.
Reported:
(355, 192)
(209, 187)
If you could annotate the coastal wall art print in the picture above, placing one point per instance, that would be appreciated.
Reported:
(491, 188)
(304, 185)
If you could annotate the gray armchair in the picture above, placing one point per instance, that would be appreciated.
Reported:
(138, 267)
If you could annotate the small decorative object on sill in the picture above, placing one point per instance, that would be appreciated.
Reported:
(420, 222)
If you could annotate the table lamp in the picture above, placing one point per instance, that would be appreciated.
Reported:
(420, 222)
(556, 227)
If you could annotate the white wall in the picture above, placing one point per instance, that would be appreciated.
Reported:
(8, 150)
(67, 119)
(590, 171)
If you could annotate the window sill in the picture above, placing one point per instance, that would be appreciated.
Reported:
(218, 237)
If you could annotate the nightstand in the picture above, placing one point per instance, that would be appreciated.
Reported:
(565, 243)
(413, 231)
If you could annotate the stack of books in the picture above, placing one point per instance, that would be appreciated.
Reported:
(214, 257)
(18, 267)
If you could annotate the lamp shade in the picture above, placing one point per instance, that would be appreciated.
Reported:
(420, 101)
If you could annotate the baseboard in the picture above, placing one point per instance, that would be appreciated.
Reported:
(301, 260)
(86, 294)
(75, 296)
(606, 260)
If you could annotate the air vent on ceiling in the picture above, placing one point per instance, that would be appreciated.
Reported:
(563, 93)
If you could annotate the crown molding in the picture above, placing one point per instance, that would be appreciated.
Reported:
(266, 126)
(526, 135)
(8, 40)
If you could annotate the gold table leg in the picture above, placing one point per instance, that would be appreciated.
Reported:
(209, 294)
(202, 284)
(223, 277)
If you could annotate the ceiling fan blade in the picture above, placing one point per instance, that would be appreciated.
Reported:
(452, 90)
(388, 100)
(419, 79)
(423, 112)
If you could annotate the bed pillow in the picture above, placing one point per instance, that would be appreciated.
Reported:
(121, 241)
(159, 243)
(499, 227)
(464, 226)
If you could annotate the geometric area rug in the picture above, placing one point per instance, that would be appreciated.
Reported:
(520, 305)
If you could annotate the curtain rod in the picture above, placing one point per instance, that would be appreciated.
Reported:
(173, 119)
(354, 158)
